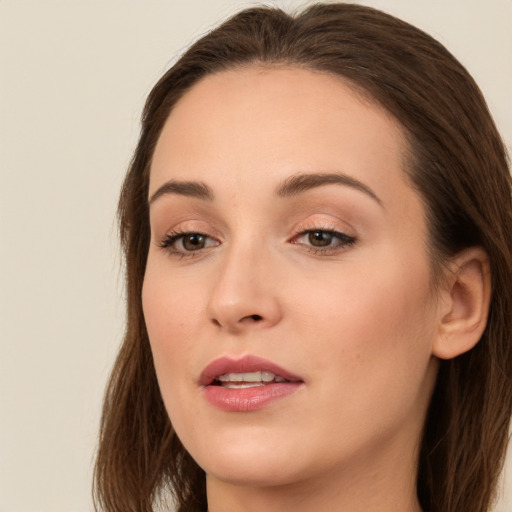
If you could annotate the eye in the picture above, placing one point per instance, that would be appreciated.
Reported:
(320, 238)
(182, 243)
(321, 241)
(193, 241)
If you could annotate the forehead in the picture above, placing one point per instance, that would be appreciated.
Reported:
(268, 121)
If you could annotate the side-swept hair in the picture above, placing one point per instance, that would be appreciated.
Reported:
(457, 162)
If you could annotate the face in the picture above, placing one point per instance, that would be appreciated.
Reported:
(287, 294)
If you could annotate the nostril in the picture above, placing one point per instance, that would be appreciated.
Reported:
(248, 318)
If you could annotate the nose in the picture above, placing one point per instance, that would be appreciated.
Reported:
(244, 295)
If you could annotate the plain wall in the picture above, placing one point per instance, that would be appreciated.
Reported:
(73, 78)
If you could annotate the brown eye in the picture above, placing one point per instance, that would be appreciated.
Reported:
(324, 241)
(320, 238)
(184, 244)
(193, 241)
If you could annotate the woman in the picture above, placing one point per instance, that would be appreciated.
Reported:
(316, 226)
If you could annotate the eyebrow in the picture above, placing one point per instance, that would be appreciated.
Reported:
(292, 186)
(183, 188)
(299, 183)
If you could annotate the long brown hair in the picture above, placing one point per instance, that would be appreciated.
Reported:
(457, 162)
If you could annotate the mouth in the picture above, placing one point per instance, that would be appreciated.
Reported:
(248, 371)
(247, 380)
(246, 384)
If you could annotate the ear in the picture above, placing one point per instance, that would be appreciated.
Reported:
(464, 304)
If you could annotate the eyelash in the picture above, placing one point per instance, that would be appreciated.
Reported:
(170, 239)
(344, 241)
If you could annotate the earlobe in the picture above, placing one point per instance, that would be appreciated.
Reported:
(465, 304)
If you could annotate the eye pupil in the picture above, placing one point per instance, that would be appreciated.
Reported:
(194, 242)
(320, 238)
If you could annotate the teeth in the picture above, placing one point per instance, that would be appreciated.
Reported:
(245, 377)
(232, 385)
(241, 377)
(267, 376)
(249, 379)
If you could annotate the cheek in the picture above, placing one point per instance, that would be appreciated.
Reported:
(169, 322)
(171, 314)
(368, 344)
(169, 306)
(375, 302)
(375, 326)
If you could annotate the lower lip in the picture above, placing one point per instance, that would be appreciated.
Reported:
(248, 399)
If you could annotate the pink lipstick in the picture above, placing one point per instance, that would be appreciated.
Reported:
(246, 384)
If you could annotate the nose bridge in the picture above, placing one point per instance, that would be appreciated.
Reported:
(244, 295)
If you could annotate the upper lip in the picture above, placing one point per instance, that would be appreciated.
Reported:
(243, 364)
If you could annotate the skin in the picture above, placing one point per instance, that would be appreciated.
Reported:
(357, 323)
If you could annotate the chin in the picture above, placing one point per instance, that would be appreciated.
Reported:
(254, 463)
(260, 474)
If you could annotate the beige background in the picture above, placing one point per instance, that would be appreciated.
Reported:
(73, 78)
